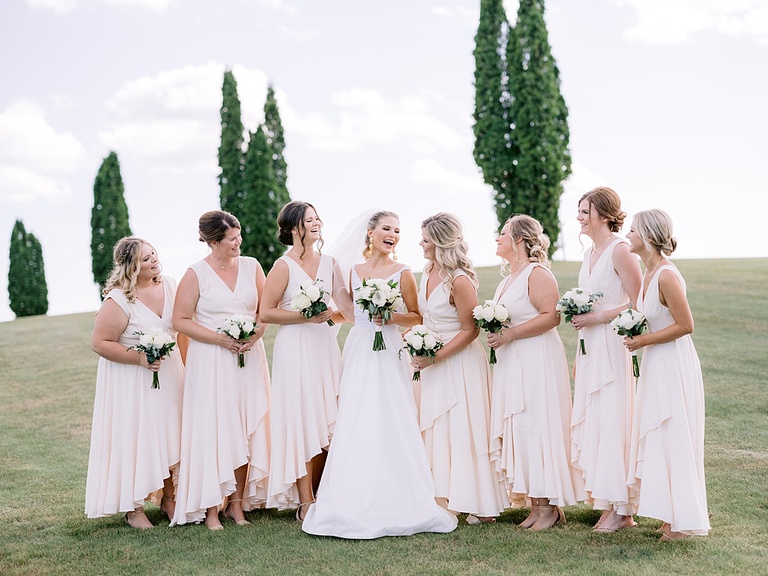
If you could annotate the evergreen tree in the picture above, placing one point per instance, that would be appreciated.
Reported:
(109, 217)
(27, 288)
(260, 204)
(273, 130)
(231, 157)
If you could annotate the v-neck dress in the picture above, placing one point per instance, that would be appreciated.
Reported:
(225, 420)
(531, 408)
(306, 369)
(603, 395)
(666, 475)
(455, 413)
(136, 432)
(376, 480)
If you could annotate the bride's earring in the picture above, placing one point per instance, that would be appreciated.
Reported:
(394, 256)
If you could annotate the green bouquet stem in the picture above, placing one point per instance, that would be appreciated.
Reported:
(635, 366)
(241, 360)
(378, 342)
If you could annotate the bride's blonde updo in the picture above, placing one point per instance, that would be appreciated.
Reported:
(654, 227)
(535, 242)
(445, 232)
(372, 223)
(126, 256)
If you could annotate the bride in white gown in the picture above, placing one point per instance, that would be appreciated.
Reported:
(377, 480)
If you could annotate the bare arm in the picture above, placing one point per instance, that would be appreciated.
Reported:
(410, 294)
(342, 296)
(110, 324)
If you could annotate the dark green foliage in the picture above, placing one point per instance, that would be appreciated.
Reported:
(27, 288)
(109, 217)
(521, 119)
(273, 130)
(231, 156)
(258, 205)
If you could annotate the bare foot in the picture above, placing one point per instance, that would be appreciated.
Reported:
(137, 519)
(603, 517)
(549, 516)
(532, 518)
(235, 512)
(168, 507)
(212, 521)
(615, 523)
(670, 535)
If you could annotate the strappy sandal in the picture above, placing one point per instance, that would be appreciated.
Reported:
(299, 517)
(242, 522)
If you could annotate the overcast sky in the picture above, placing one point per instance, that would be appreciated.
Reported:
(667, 103)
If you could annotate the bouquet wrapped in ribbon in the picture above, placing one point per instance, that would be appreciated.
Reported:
(240, 327)
(310, 298)
(577, 301)
(491, 317)
(630, 323)
(420, 341)
(378, 298)
(156, 344)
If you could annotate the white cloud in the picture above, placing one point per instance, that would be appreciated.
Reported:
(63, 6)
(278, 6)
(301, 36)
(434, 174)
(171, 120)
(664, 22)
(367, 117)
(23, 186)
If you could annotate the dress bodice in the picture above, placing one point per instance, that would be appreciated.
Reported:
(603, 278)
(141, 318)
(297, 275)
(658, 315)
(217, 302)
(514, 296)
(438, 314)
(361, 316)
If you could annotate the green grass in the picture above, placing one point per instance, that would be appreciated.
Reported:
(47, 375)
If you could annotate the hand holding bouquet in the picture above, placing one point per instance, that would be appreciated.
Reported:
(240, 327)
(378, 298)
(419, 341)
(156, 344)
(492, 318)
(577, 301)
(630, 323)
(310, 298)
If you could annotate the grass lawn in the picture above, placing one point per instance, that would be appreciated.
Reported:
(47, 377)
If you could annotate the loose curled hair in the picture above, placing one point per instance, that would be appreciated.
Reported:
(535, 242)
(654, 227)
(372, 223)
(126, 257)
(445, 232)
(291, 217)
(213, 226)
(608, 205)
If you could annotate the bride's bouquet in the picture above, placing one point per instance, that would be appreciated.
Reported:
(378, 298)
(240, 327)
(156, 344)
(491, 317)
(630, 323)
(310, 298)
(577, 301)
(420, 341)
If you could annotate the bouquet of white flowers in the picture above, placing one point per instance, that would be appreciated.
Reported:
(577, 301)
(156, 344)
(240, 327)
(310, 298)
(630, 323)
(491, 317)
(420, 341)
(378, 298)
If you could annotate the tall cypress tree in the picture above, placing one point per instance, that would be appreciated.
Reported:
(273, 130)
(109, 217)
(231, 156)
(27, 288)
(538, 118)
(260, 203)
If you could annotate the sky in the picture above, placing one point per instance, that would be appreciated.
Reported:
(666, 105)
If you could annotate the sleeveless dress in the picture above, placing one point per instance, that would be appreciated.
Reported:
(306, 369)
(136, 433)
(376, 480)
(666, 475)
(225, 421)
(531, 408)
(454, 414)
(603, 396)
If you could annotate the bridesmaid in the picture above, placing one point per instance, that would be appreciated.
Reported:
(306, 361)
(136, 432)
(666, 475)
(531, 404)
(225, 425)
(604, 388)
(454, 391)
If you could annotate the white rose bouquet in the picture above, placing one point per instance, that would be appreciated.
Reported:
(630, 323)
(420, 341)
(577, 301)
(156, 344)
(378, 298)
(240, 327)
(491, 317)
(310, 298)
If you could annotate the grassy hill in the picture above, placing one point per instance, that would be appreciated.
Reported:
(47, 375)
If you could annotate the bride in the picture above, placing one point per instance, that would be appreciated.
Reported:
(377, 480)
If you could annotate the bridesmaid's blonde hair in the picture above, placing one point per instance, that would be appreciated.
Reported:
(655, 230)
(444, 231)
(535, 242)
(127, 261)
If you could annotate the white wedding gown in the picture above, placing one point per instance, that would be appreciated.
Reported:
(377, 480)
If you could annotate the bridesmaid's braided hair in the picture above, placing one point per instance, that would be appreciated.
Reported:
(126, 256)
(445, 232)
(535, 242)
